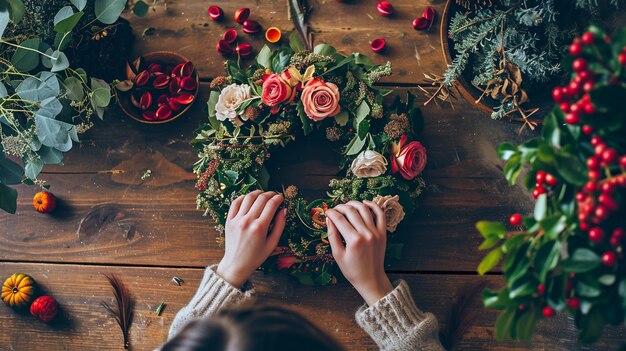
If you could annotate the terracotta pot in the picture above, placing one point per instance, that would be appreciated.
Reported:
(162, 57)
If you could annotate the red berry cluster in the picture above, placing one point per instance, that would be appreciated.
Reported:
(544, 182)
(574, 98)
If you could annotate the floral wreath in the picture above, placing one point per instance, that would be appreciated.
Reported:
(292, 91)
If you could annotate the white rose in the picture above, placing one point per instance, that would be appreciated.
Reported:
(229, 100)
(369, 164)
(394, 213)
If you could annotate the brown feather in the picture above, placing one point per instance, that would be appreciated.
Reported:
(460, 318)
(123, 309)
(298, 11)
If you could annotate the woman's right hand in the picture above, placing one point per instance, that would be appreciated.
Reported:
(362, 226)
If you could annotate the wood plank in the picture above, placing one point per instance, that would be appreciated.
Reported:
(350, 26)
(185, 27)
(118, 218)
(84, 324)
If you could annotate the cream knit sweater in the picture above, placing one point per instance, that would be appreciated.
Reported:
(394, 322)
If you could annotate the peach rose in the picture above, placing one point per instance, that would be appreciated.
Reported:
(276, 90)
(408, 158)
(394, 213)
(320, 99)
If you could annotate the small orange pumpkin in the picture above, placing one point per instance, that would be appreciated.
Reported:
(18, 290)
(44, 202)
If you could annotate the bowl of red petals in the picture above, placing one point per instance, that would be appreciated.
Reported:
(159, 87)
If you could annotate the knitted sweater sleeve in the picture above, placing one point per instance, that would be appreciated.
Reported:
(395, 323)
(213, 295)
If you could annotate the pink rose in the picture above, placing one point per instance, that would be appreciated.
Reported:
(285, 261)
(408, 159)
(320, 99)
(276, 90)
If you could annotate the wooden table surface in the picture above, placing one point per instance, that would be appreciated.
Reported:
(146, 232)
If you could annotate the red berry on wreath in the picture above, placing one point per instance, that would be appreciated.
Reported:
(608, 202)
(565, 106)
(608, 188)
(596, 140)
(588, 86)
(584, 226)
(594, 175)
(609, 258)
(573, 303)
(590, 186)
(596, 234)
(622, 58)
(619, 234)
(588, 38)
(572, 118)
(44, 202)
(548, 312)
(551, 180)
(588, 107)
(622, 161)
(593, 163)
(45, 308)
(541, 289)
(579, 65)
(575, 49)
(516, 219)
(601, 213)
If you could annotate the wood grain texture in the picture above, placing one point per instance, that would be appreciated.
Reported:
(107, 213)
(84, 324)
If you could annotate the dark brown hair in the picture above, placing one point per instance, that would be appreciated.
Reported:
(253, 328)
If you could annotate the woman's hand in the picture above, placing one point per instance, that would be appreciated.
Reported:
(362, 258)
(249, 240)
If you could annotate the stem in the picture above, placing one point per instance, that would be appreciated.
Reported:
(26, 48)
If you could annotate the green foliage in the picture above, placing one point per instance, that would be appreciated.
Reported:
(553, 250)
(44, 102)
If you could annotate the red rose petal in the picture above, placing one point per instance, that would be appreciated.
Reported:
(223, 47)
(188, 83)
(230, 36)
(242, 15)
(161, 81)
(175, 85)
(142, 78)
(145, 101)
(149, 115)
(162, 99)
(155, 67)
(216, 13)
(429, 14)
(378, 45)
(251, 27)
(184, 98)
(175, 106)
(186, 70)
(244, 50)
(134, 101)
(420, 23)
(163, 112)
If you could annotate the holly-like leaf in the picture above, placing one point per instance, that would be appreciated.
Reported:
(582, 260)
(490, 261)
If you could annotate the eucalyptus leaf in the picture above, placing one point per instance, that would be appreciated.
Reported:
(3, 90)
(101, 93)
(16, 10)
(356, 146)
(66, 25)
(295, 42)
(50, 156)
(63, 13)
(39, 88)
(51, 105)
(5, 18)
(80, 4)
(74, 89)
(10, 172)
(32, 168)
(264, 58)
(108, 11)
(55, 134)
(59, 61)
(25, 58)
(342, 118)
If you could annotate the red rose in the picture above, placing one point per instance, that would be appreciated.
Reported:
(408, 159)
(45, 308)
(285, 261)
(276, 90)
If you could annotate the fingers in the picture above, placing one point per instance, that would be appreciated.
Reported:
(334, 238)
(280, 220)
(353, 215)
(259, 204)
(248, 201)
(234, 207)
(341, 223)
(379, 216)
(270, 208)
(365, 212)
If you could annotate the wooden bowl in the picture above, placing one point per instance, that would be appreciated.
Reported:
(162, 57)
(472, 93)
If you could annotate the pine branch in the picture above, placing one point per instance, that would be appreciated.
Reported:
(460, 318)
(123, 311)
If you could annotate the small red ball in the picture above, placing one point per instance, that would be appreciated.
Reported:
(538, 191)
(622, 58)
(551, 180)
(596, 234)
(610, 156)
(579, 65)
(516, 219)
(601, 213)
(575, 49)
(584, 226)
(558, 95)
(573, 303)
(540, 177)
(596, 140)
(565, 106)
(548, 312)
(609, 258)
(580, 196)
(589, 108)
(572, 118)
(588, 87)
(619, 233)
(587, 129)
(541, 289)
(608, 187)
(599, 149)
(622, 161)
(45, 308)
(588, 38)
(590, 186)
(593, 163)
